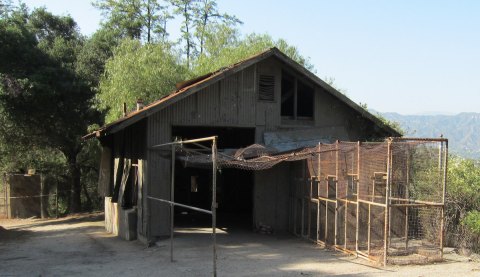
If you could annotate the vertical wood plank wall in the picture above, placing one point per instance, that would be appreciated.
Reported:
(230, 102)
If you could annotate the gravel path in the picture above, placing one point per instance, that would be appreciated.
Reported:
(79, 246)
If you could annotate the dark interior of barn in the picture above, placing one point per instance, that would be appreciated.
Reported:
(193, 184)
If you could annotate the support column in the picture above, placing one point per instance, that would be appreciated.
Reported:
(358, 197)
(387, 201)
(214, 204)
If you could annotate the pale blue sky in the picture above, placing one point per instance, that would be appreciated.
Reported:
(397, 56)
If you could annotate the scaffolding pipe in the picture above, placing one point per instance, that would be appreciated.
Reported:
(176, 142)
(214, 193)
(214, 203)
(180, 205)
(172, 199)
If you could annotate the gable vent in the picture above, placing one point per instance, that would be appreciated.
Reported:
(266, 88)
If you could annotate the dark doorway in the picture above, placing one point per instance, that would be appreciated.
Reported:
(234, 186)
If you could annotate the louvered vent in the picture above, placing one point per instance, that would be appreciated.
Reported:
(266, 88)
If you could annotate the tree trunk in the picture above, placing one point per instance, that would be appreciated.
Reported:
(76, 205)
(88, 202)
(149, 21)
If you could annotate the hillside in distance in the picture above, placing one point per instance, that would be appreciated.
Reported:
(462, 130)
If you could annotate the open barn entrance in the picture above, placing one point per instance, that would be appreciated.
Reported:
(234, 186)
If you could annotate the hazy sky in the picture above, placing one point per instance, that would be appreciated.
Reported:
(397, 56)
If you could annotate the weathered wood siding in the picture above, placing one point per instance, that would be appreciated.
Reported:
(233, 102)
(229, 102)
(130, 143)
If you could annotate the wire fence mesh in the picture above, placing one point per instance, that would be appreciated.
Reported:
(381, 200)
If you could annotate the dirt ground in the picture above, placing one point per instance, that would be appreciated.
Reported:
(78, 245)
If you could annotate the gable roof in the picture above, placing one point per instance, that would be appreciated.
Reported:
(189, 87)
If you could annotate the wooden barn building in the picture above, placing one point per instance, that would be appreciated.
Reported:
(267, 99)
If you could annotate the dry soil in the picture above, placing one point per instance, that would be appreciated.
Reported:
(79, 246)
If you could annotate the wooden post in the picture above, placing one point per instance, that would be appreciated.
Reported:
(369, 229)
(346, 207)
(407, 195)
(387, 202)
(310, 209)
(373, 188)
(358, 196)
(318, 193)
(319, 171)
(442, 223)
(336, 191)
(318, 220)
(346, 218)
(326, 221)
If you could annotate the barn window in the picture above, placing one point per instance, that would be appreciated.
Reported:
(304, 100)
(288, 95)
(131, 187)
(266, 88)
(297, 98)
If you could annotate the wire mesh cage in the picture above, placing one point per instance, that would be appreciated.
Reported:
(381, 200)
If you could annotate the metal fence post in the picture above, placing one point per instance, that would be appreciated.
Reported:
(172, 198)
(214, 204)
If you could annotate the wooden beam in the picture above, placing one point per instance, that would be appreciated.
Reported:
(358, 194)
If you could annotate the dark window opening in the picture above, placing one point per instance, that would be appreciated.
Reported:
(297, 98)
(131, 187)
(305, 95)
(266, 88)
(288, 95)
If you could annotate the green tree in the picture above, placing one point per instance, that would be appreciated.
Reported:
(138, 71)
(463, 203)
(124, 15)
(94, 54)
(135, 19)
(206, 14)
(186, 9)
(41, 96)
(5, 6)
(224, 47)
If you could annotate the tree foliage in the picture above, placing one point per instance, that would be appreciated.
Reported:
(138, 71)
(463, 203)
(37, 69)
(224, 46)
(94, 54)
(136, 19)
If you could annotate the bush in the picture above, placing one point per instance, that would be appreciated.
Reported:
(462, 219)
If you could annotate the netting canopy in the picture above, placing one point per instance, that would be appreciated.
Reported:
(253, 157)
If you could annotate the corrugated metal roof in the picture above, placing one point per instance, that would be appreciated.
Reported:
(191, 86)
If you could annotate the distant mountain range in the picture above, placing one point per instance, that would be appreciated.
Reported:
(462, 130)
